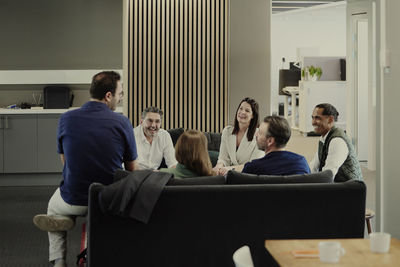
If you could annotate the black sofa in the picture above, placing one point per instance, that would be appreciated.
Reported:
(202, 221)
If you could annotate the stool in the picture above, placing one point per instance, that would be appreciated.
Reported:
(369, 214)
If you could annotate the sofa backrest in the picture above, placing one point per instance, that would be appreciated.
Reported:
(205, 180)
(175, 133)
(213, 139)
(203, 225)
(245, 178)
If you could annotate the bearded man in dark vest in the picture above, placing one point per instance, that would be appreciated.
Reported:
(335, 150)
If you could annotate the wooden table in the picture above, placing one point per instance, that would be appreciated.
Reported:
(357, 253)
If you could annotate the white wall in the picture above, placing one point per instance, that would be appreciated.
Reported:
(390, 126)
(387, 122)
(324, 28)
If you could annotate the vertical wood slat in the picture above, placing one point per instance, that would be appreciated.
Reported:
(189, 88)
(179, 61)
(176, 79)
(212, 65)
(161, 24)
(221, 59)
(185, 33)
(199, 65)
(226, 53)
(217, 65)
(133, 14)
(208, 65)
(195, 65)
(149, 57)
(167, 66)
(203, 67)
(180, 66)
(131, 46)
(139, 92)
(153, 53)
(144, 89)
(172, 66)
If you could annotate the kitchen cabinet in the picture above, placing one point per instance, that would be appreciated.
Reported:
(1, 144)
(20, 143)
(28, 140)
(48, 158)
(29, 143)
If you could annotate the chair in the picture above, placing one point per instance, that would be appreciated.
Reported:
(242, 257)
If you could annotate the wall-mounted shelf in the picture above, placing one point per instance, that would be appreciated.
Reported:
(48, 76)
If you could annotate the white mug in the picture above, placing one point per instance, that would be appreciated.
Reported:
(379, 242)
(330, 251)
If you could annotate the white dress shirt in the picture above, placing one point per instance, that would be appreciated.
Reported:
(247, 150)
(151, 155)
(337, 154)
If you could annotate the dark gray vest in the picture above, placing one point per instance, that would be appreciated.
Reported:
(350, 169)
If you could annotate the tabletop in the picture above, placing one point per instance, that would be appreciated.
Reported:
(358, 252)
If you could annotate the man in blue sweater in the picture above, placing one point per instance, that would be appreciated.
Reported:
(93, 142)
(272, 137)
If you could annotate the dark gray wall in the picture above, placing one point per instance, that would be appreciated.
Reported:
(60, 34)
(249, 61)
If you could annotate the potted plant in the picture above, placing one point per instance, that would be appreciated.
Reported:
(312, 73)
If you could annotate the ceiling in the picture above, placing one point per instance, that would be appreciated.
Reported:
(287, 5)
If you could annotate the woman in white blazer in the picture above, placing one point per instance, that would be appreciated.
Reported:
(238, 142)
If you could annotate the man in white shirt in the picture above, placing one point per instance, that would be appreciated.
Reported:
(153, 143)
(335, 150)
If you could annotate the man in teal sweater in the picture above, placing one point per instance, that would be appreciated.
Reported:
(335, 150)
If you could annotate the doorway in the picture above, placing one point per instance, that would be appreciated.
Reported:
(362, 93)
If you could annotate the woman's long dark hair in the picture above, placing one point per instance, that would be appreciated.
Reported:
(254, 123)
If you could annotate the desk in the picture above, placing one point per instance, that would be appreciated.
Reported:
(357, 253)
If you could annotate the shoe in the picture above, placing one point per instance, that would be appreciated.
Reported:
(60, 263)
(52, 223)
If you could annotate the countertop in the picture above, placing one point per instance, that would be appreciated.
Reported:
(5, 111)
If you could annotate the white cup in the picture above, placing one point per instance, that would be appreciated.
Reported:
(330, 251)
(379, 242)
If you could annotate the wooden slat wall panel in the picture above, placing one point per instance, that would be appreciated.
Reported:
(179, 62)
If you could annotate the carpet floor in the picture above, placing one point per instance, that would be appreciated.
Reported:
(21, 243)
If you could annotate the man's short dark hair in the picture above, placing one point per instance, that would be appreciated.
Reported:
(328, 110)
(103, 82)
(278, 128)
(152, 110)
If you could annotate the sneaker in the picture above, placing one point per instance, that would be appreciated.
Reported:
(51, 223)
